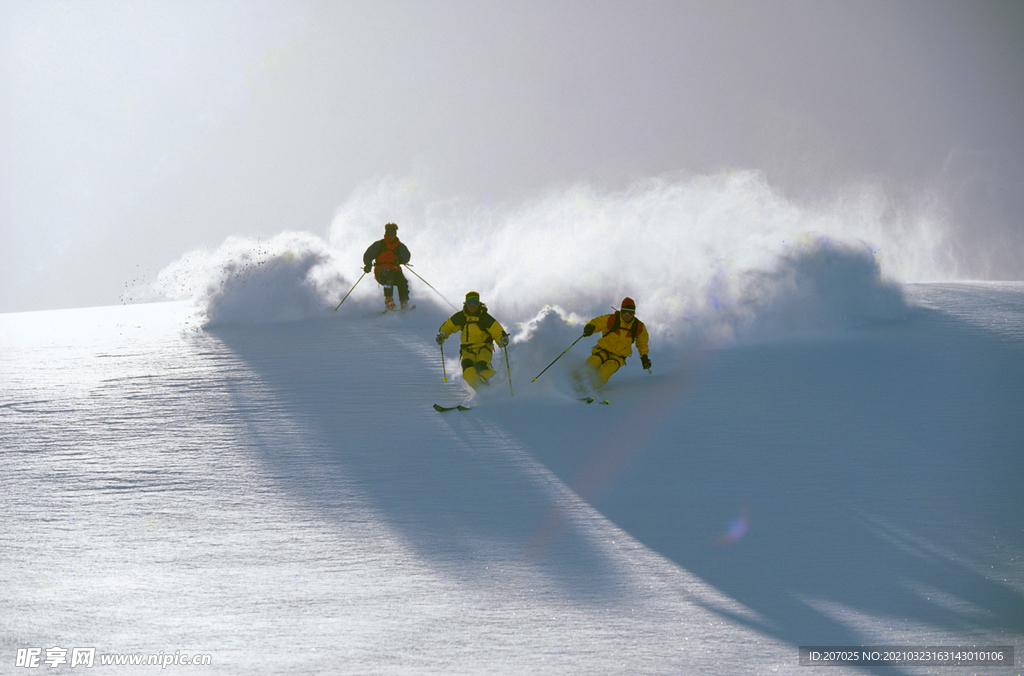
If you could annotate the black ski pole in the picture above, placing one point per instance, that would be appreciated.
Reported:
(509, 370)
(558, 357)
(350, 290)
(428, 284)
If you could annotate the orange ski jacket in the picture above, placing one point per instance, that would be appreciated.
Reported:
(387, 254)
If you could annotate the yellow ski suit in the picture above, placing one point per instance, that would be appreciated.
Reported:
(479, 332)
(614, 345)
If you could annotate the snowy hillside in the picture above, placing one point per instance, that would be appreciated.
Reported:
(831, 464)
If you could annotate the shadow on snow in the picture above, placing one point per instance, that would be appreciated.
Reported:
(845, 490)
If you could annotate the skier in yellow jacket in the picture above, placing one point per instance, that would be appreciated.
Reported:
(619, 331)
(479, 333)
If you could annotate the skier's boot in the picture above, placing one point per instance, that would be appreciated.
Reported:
(405, 305)
(389, 303)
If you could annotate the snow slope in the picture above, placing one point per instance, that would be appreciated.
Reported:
(826, 460)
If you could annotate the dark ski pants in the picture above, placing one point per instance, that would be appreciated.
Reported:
(389, 279)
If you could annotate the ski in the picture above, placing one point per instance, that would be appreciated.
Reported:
(458, 407)
(591, 400)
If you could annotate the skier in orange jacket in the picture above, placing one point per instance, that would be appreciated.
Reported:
(619, 331)
(386, 257)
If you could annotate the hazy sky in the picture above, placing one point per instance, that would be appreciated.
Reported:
(132, 132)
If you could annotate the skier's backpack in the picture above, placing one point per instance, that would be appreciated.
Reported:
(387, 258)
(386, 262)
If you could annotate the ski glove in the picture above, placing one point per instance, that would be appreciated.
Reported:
(588, 330)
(367, 268)
(440, 338)
(645, 361)
(503, 341)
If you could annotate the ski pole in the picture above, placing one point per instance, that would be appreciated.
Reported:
(444, 371)
(428, 284)
(558, 357)
(509, 370)
(350, 290)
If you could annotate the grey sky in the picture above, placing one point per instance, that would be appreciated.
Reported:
(132, 132)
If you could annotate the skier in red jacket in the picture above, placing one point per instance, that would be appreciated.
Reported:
(386, 257)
